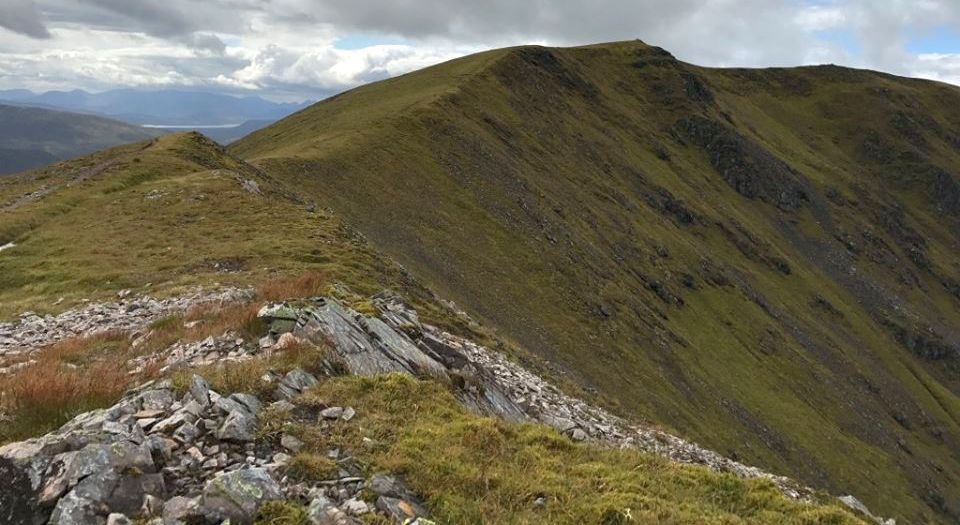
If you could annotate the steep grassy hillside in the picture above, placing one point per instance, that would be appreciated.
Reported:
(32, 137)
(170, 213)
(764, 260)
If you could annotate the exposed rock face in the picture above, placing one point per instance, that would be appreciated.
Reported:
(748, 168)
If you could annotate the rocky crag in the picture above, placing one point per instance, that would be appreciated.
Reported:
(195, 455)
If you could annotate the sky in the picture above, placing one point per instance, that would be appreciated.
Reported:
(296, 50)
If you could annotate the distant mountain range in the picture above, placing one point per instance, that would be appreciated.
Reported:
(158, 107)
(32, 137)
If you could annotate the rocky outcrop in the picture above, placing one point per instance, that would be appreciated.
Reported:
(746, 166)
(194, 458)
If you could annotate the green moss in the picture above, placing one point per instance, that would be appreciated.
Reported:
(281, 513)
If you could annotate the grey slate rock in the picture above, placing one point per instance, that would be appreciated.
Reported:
(238, 495)
(249, 401)
(75, 510)
(181, 508)
(200, 390)
(294, 383)
(238, 427)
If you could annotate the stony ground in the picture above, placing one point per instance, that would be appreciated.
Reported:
(31, 332)
(197, 456)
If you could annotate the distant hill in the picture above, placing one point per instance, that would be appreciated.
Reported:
(32, 137)
(765, 260)
(221, 134)
(159, 107)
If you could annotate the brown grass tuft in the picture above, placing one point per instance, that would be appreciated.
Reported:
(41, 397)
(310, 284)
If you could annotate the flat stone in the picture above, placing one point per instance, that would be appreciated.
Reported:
(355, 506)
(562, 424)
(148, 414)
(250, 401)
(229, 405)
(118, 519)
(160, 399)
(173, 422)
(332, 413)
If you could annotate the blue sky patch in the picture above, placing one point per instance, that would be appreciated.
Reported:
(939, 40)
(360, 41)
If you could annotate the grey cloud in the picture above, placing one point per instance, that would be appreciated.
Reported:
(23, 17)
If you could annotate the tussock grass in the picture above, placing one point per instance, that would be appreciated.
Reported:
(309, 284)
(306, 466)
(70, 377)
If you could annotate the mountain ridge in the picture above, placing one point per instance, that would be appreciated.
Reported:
(649, 226)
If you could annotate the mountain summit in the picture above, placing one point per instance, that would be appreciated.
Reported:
(760, 259)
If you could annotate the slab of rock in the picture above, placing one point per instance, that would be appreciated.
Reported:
(238, 495)
(294, 383)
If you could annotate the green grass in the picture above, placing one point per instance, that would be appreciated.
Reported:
(539, 188)
(478, 470)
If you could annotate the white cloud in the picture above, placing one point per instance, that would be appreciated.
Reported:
(286, 48)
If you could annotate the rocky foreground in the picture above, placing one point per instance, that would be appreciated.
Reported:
(196, 457)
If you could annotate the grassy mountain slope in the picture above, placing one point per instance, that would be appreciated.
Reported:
(761, 259)
(166, 214)
(32, 137)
